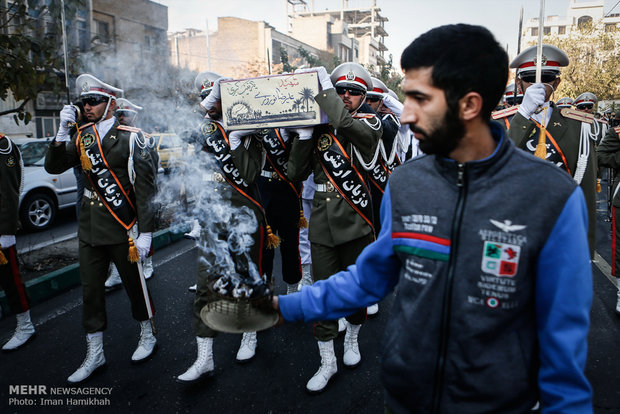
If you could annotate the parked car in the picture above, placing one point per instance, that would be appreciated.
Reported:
(43, 194)
(170, 150)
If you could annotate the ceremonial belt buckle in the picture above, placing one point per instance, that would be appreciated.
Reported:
(92, 195)
(329, 186)
(218, 177)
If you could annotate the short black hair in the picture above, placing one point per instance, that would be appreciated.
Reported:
(464, 58)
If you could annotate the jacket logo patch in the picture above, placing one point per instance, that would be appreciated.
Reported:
(88, 140)
(10, 161)
(500, 259)
(507, 225)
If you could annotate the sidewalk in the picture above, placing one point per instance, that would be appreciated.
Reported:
(49, 285)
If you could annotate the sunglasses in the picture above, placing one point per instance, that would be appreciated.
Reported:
(94, 100)
(585, 106)
(340, 90)
(544, 78)
(372, 99)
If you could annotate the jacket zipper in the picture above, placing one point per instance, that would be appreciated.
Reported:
(444, 333)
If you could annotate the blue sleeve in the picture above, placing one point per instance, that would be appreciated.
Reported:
(371, 278)
(563, 300)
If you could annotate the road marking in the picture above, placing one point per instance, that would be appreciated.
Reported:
(605, 268)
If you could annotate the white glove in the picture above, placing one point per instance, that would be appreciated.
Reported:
(7, 241)
(304, 133)
(533, 98)
(235, 137)
(393, 105)
(214, 96)
(67, 117)
(143, 244)
(324, 79)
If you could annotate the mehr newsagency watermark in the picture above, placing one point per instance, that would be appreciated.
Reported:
(44, 396)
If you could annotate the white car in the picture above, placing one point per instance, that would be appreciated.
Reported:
(43, 194)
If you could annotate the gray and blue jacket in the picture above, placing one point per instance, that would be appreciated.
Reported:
(494, 286)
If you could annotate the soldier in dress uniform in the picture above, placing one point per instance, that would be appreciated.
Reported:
(608, 155)
(127, 113)
(341, 223)
(11, 179)
(565, 102)
(116, 220)
(281, 198)
(239, 158)
(509, 96)
(563, 142)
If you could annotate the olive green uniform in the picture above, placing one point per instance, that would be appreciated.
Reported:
(10, 180)
(248, 159)
(608, 154)
(337, 232)
(101, 237)
(566, 132)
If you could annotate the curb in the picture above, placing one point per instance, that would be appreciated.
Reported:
(59, 281)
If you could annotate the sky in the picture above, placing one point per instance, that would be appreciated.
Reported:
(407, 18)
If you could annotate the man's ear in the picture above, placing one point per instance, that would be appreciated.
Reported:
(470, 106)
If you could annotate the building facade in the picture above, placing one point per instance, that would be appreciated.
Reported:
(578, 13)
(106, 33)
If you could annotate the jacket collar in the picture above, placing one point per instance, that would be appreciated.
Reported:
(479, 168)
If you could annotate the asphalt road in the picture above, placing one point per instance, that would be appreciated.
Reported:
(274, 382)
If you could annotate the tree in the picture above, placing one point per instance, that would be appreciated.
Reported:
(388, 75)
(594, 61)
(32, 53)
(307, 95)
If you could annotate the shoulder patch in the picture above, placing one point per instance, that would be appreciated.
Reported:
(503, 113)
(577, 115)
(86, 125)
(128, 128)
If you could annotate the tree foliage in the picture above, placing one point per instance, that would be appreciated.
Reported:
(32, 53)
(388, 75)
(594, 61)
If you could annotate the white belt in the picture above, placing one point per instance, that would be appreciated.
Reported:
(325, 188)
(270, 174)
(214, 176)
(91, 194)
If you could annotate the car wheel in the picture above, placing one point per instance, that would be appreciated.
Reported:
(38, 211)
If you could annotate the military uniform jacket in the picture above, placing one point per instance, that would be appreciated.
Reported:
(97, 226)
(334, 221)
(566, 133)
(10, 182)
(608, 155)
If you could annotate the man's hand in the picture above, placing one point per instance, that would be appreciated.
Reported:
(275, 304)
(324, 79)
(67, 117)
(235, 137)
(143, 244)
(214, 96)
(533, 98)
(7, 241)
(304, 133)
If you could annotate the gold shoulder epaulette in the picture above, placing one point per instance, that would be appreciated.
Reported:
(364, 116)
(2, 135)
(503, 113)
(617, 129)
(602, 121)
(128, 128)
(577, 115)
(86, 125)
(147, 135)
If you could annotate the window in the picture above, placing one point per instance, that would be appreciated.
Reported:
(546, 30)
(584, 20)
(103, 31)
(610, 27)
(561, 30)
(147, 42)
(534, 31)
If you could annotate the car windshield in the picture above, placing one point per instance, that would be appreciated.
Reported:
(170, 141)
(33, 153)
